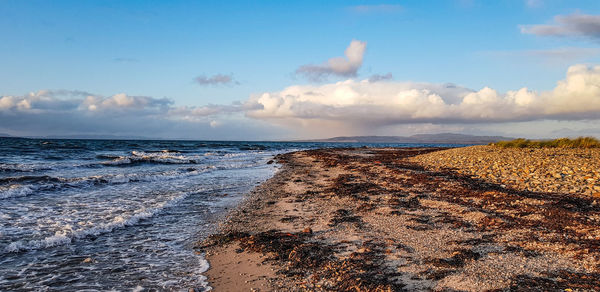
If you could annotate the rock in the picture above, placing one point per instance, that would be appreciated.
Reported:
(88, 260)
(307, 230)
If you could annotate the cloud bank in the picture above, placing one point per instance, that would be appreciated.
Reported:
(339, 66)
(350, 106)
(574, 25)
(366, 103)
(63, 112)
(62, 101)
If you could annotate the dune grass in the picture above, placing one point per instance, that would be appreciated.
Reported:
(581, 142)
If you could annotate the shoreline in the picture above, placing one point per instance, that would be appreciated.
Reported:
(374, 219)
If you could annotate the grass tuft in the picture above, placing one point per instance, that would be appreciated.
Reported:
(581, 142)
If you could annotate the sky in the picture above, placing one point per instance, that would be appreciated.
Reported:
(278, 70)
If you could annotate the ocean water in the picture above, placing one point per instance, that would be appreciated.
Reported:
(120, 215)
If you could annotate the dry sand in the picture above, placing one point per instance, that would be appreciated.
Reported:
(372, 220)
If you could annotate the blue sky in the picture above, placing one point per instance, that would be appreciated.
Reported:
(159, 49)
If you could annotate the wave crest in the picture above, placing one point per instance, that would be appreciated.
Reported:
(66, 235)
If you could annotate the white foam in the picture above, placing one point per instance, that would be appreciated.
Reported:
(15, 191)
(203, 266)
(21, 167)
(160, 157)
(66, 235)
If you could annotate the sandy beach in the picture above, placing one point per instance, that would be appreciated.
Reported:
(412, 219)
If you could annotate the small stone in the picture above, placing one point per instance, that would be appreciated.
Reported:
(87, 260)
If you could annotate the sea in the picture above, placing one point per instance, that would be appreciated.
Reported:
(122, 215)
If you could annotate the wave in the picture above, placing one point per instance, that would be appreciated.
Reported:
(46, 183)
(108, 156)
(31, 179)
(16, 167)
(67, 235)
(16, 191)
(139, 157)
(21, 186)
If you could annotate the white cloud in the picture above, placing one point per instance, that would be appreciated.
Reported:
(63, 101)
(573, 25)
(63, 112)
(214, 123)
(7, 102)
(345, 107)
(339, 66)
(364, 103)
(122, 101)
(200, 113)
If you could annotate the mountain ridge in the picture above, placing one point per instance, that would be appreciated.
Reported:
(449, 138)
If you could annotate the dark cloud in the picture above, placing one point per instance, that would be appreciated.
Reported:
(378, 77)
(217, 79)
(574, 25)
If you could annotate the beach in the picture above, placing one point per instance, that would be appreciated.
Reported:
(394, 219)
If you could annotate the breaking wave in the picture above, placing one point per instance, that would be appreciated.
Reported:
(139, 157)
(67, 235)
(35, 184)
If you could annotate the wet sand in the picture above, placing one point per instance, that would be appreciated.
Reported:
(376, 220)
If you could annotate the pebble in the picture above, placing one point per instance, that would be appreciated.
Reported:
(573, 171)
(87, 260)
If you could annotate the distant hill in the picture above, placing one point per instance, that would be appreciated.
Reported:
(4, 135)
(448, 138)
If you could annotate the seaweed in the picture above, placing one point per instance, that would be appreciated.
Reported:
(349, 186)
(363, 270)
(303, 257)
(557, 281)
(344, 216)
(459, 258)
